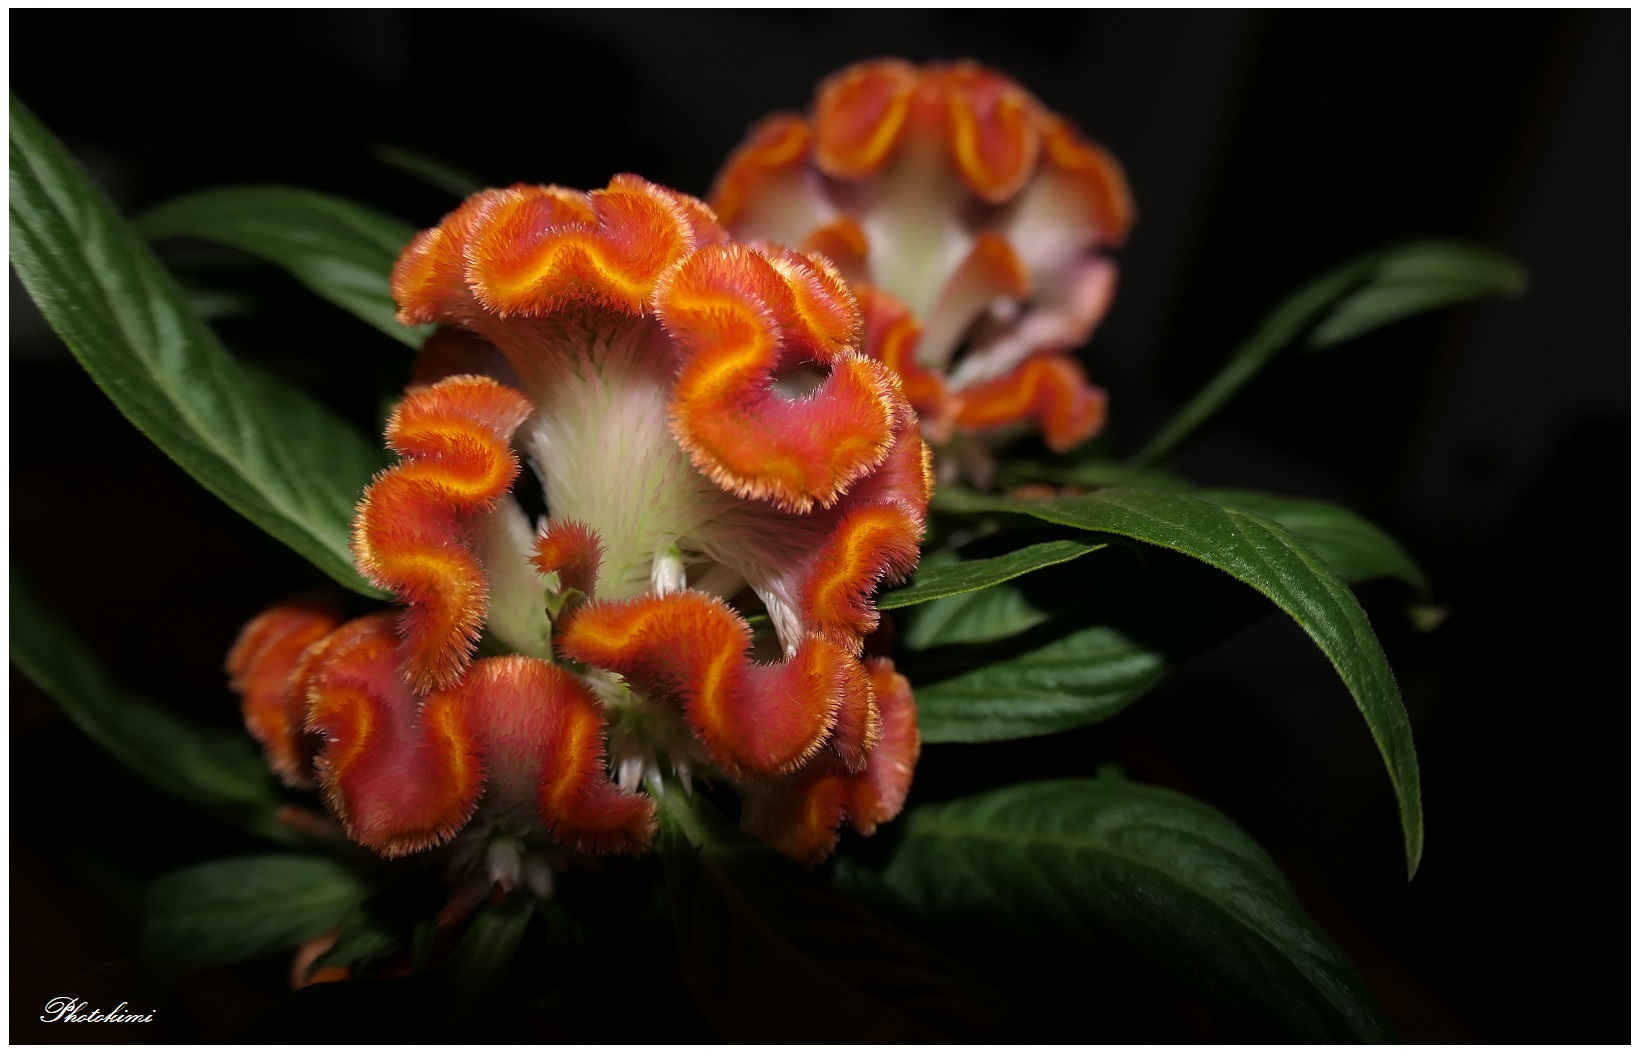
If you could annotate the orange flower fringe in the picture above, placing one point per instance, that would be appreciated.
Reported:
(712, 445)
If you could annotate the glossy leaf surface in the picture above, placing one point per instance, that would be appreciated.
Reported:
(1105, 867)
(1357, 550)
(243, 437)
(972, 618)
(968, 576)
(1088, 676)
(341, 251)
(241, 907)
(1268, 558)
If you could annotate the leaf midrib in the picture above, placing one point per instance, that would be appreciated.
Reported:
(960, 832)
(1240, 518)
(202, 437)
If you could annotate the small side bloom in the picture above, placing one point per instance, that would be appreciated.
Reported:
(970, 221)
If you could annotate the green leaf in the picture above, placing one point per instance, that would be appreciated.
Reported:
(1091, 867)
(1373, 290)
(1091, 474)
(1421, 276)
(442, 175)
(987, 615)
(772, 953)
(341, 251)
(237, 908)
(1088, 676)
(483, 960)
(947, 580)
(1356, 550)
(217, 769)
(361, 938)
(469, 997)
(122, 316)
(1271, 560)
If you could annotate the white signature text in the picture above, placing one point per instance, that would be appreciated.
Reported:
(72, 1010)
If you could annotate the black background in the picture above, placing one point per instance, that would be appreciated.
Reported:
(1261, 147)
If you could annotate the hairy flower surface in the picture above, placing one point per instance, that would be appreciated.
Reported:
(727, 479)
(970, 222)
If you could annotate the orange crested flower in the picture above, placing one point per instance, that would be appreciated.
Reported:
(969, 221)
(727, 479)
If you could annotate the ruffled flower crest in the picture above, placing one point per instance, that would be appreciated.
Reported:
(970, 222)
(714, 452)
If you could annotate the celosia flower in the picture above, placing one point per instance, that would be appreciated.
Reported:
(970, 222)
(713, 450)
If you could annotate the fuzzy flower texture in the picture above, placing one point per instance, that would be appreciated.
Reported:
(727, 480)
(727, 469)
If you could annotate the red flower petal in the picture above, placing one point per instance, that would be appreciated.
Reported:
(430, 280)
(779, 142)
(533, 255)
(860, 114)
(857, 728)
(892, 335)
(401, 777)
(1052, 388)
(875, 538)
(845, 244)
(993, 128)
(890, 136)
(543, 735)
(879, 792)
(260, 666)
(572, 549)
(800, 815)
(1097, 173)
(743, 317)
(412, 528)
(692, 648)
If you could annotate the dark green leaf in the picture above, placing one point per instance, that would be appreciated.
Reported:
(237, 908)
(220, 770)
(947, 580)
(484, 959)
(442, 175)
(971, 618)
(1091, 474)
(339, 250)
(1088, 676)
(361, 938)
(1356, 550)
(122, 316)
(1410, 279)
(1096, 867)
(774, 954)
(1268, 558)
(472, 996)
(1373, 290)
